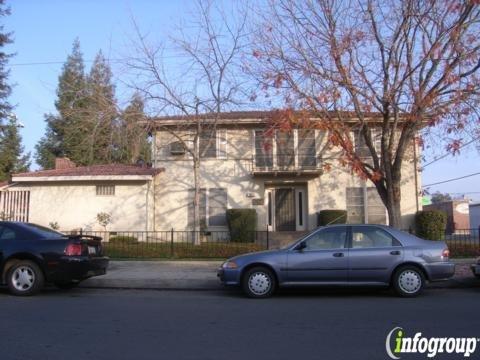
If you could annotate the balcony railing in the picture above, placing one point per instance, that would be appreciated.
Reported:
(286, 164)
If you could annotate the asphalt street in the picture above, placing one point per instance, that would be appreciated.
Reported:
(132, 324)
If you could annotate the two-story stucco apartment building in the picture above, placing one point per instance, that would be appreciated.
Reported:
(281, 177)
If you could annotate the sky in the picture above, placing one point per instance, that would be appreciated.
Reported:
(45, 30)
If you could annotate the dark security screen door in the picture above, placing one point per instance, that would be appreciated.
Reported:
(285, 209)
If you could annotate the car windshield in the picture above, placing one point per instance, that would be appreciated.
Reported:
(44, 231)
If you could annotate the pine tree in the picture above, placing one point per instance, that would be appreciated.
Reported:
(12, 159)
(101, 114)
(64, 133)
(5, 88)
(132, 138)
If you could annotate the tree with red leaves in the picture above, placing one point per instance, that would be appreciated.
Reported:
(390, 65)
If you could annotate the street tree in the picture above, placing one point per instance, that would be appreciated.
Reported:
(196, 92)
(397, 66)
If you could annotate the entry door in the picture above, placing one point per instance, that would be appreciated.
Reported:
(285, 209)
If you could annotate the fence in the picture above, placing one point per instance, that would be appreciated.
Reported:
(179, 244)
(219, 244)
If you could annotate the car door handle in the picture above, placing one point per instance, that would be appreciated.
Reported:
(395, 252)
(338, 255)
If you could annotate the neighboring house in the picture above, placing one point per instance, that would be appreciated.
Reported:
(475, 215)
(282, 178)
(458, 218)
(73, 196)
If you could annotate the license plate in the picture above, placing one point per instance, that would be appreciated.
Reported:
(92, 250)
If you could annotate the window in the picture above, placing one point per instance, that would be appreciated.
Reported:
(285, 149)
(263, 150)
(364, 206)
(217, 207)
(333, 238)
(212, 209)
(208, 144)
(105, 190)
(306, 149)
(371, 237)
(7, 233)
(361, 148)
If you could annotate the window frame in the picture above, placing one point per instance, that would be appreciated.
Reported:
(345, 243)
(212, 142)
(395, 242)
(105, 186)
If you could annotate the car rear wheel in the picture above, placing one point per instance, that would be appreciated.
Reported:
(259, 282)
(25, 278)
(408, 281)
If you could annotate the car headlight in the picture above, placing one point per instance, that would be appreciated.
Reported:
(229, 265)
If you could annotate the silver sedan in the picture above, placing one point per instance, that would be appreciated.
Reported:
(343, 255)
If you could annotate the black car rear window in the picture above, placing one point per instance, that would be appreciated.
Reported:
(44, 232)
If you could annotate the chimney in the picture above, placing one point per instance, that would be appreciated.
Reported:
(64, 163)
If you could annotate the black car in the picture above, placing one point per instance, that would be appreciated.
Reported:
(32, 255)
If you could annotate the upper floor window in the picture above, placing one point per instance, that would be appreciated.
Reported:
(361, 148)
(285, 150)
(105, 190)
(208, 143)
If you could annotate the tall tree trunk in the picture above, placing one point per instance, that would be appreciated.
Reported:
(196, 180)
(393, 204)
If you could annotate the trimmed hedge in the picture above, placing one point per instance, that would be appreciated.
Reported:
(431, 224)
(326, 217)
(242, 224)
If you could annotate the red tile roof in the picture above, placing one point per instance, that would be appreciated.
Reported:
(3, 183)
(94, 170)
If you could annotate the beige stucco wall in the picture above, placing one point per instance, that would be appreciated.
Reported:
(327, 191)
(75, 205)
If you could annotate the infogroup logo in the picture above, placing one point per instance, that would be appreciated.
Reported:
(397, 344)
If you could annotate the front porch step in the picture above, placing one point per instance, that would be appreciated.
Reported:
(278, 239)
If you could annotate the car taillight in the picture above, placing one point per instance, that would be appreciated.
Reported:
(74, 250)
(445, 254)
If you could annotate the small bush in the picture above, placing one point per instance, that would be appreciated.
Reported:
(242, 224)
(431, 224)
(123, 239)
(326, 217)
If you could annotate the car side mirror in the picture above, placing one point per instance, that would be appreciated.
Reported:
(301, 246)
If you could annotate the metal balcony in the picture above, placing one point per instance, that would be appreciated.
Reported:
(305, 165)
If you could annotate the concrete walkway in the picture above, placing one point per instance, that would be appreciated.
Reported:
(201, 275)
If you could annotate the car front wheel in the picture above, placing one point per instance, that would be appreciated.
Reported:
(25, 278)
(408, 281)
(259, 282)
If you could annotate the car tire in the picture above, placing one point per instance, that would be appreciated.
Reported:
(67, 285)
(259, 282)
(408, 281)
(25, 278)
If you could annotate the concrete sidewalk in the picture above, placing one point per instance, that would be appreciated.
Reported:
(201, 275)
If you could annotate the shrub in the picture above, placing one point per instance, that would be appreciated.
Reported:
(123, 239)
(242, 224)
(431, 224)
(326, 217)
